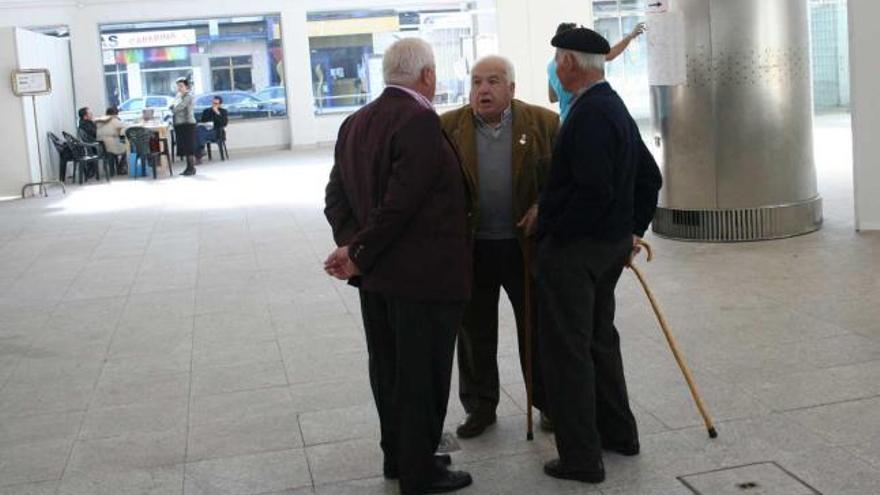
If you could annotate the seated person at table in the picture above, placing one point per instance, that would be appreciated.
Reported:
(110, 130)
(148, 115)
(218, 116)
(88, 132)
(87, 127)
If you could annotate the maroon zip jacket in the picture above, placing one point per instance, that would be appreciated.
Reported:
(398, 198)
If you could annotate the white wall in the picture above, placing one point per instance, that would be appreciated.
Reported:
(865, 103)
(14, 170)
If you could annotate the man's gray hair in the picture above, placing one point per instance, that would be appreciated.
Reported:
(404, 61)
(509, 71)
(586, 61)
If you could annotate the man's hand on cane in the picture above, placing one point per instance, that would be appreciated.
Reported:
(529, 221)
(339, 265)
(636, 249)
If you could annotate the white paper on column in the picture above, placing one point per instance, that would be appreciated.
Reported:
(667, 60)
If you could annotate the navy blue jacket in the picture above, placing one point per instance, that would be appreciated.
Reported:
(604, 182)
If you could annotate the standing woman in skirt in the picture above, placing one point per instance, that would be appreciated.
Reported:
(185, 124)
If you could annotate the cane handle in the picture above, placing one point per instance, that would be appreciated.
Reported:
(649, 251)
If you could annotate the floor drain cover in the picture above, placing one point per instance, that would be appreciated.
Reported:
(765, 478)
(448, 444)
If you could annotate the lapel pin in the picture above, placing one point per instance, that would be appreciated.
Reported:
(523, 140)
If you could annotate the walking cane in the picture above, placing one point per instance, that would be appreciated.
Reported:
(713, 433)
(527, 328)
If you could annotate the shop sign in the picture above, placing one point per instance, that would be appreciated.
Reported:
(148, 39)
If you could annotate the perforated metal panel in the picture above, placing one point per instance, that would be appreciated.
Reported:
(735, 142)
(753, 224)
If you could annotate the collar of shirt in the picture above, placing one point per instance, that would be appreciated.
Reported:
(585, 90)
(506, 119)
(415, 94)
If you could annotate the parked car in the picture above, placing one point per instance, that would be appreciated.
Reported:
(241, 105)
(132, 109)
(274, 94)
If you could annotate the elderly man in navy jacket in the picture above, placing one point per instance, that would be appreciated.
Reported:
(398, 204)
(600, 197)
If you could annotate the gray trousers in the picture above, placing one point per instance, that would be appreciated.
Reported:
(583, 368)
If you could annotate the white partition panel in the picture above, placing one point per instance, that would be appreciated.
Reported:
(54, 112)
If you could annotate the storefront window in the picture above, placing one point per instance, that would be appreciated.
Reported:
(239, 59)
(228, 73)
(347, 47)
(614, 19)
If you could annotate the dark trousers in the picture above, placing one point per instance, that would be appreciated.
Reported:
(584, 369)
(411, 348)
(497, 264)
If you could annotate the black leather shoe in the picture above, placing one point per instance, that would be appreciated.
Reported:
(442, 461)
(595, 475)
(475, 425)
(449, 481)
(627, 449)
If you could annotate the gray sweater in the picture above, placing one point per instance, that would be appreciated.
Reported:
(183, 109)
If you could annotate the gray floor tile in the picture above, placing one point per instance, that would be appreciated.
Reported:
(126, 453)
(245, 475)
(847, 423)
(237, 406)
(167, 415)
(136, 388)
(311, 397)
(345, 461)
(332, 368)
(813, 388)
(40, 428)
(44, 488)
(145, 481)
(212, 381)
(335, 425)
(248, 435)
(370, 486)
(220, 355)
(648, 486)
(17, 399)
(33, 462)
(833, 470)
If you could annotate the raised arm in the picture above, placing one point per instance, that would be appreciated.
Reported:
(622, 45)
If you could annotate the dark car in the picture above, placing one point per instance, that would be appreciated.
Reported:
(241, 105)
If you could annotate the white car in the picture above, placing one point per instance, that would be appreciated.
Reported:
(132, 109)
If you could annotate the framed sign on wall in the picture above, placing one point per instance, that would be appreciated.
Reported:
(31, 82)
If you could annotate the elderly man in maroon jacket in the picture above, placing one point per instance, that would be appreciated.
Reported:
(398, 204)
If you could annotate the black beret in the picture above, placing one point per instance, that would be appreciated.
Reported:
(582, 40)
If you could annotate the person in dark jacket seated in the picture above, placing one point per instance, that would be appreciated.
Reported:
(87, 125)
(88, 131)
(218, 116)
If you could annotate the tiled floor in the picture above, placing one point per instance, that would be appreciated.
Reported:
(180, 337)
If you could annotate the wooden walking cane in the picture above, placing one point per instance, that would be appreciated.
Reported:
(713, 433)
(527, 328)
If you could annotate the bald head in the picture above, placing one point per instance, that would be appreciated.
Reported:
(492, 87)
